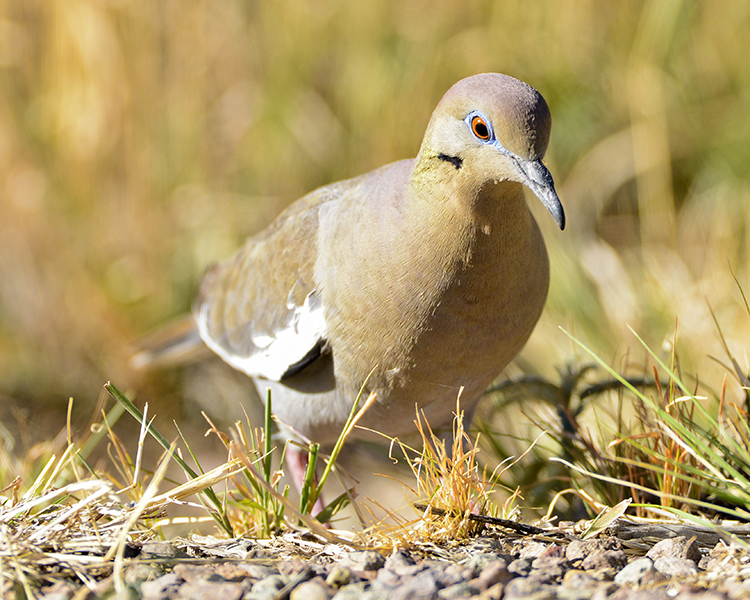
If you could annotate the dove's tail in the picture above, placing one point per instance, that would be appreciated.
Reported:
(172, 344)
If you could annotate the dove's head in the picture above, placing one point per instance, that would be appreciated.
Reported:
(490, 128)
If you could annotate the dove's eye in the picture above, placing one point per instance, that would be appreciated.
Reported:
(480, 126)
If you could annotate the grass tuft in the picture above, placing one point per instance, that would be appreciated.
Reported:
(451, 493)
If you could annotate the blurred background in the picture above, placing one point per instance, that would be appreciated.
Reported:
(142, 140)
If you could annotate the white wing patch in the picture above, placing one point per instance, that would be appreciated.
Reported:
(275, 351)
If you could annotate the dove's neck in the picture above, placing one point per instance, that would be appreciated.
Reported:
(477, 224)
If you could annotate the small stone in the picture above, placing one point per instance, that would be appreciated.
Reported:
(451, 574)
(676, 547)
(520, 566)
(521, 587)
(339, 577)
(363, 590)
(737, 588)
(402, 564)
(493, 593)
(314, 589)
(688, 592)
(211, 591)
(295, 567)
(578, 585)
(269, 585)
(606, 563)
(652, 576)
(165, 586)
(494, 572)
(580, 549)
(532, 549)
(243, 571)
(160, 549)
(420, 587)
(60, 590)
(576, 578)
(479, 562)
(551, 567)
(603, 591)
(138, 572)
(127, 593)
(633, 572)
(626, 593)
(59, 595)
(552, 551)
(365, 560)
(388, 578)
(676, 567)
(194, 574)
(463, 589)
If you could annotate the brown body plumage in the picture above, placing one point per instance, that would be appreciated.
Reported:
(428, 275)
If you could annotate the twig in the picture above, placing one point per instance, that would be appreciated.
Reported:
(508, 524)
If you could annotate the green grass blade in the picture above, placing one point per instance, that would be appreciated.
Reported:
(122, 399)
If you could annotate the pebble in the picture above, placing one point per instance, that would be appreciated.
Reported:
(575, 579)
(478, 562)
(550, 568)
(244, 571)
(512, 569)
(520, 566)
(165, 586)
(362, 591)
(449, 574)
(676, 547)
(142, 572)
(605, 564)
(159, 549)
(339, 576)
(196, 574)
(423, 586)
(402, 563)
(268, 586)
(633, 572)
(533, 549)
(523, 587)
(387, 578)
(493, 572)
(366, 560)
(211, 591)
(127, 593)
(493, 593)
(579, 550)
(577, 585)
(314, 589)
(458, 590)
(676, 567)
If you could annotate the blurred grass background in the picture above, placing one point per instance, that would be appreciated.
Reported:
(141, 140)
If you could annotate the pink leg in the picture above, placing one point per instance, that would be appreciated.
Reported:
(296, 461)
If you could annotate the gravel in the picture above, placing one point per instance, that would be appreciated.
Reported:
(486, 568)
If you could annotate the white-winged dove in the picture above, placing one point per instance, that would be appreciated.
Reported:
(422, 277)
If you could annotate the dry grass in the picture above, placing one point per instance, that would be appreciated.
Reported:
(685, 453)
(451, 492)
(69, 525)
(74, 525)
(142, 141)
(139, 141)
(663, 444)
